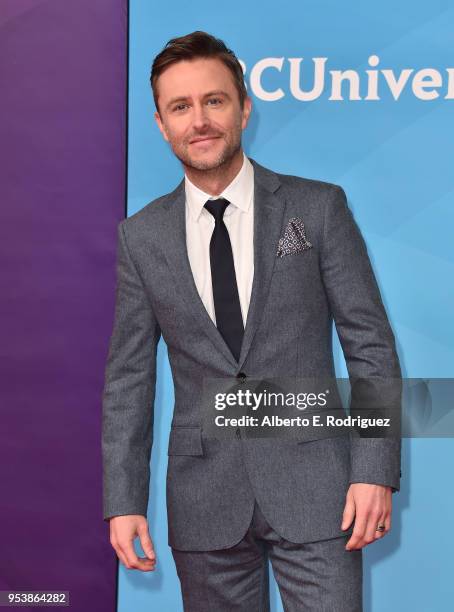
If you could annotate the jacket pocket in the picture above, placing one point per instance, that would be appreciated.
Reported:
(185, 441)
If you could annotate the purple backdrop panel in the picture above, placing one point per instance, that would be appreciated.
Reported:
(63, 69)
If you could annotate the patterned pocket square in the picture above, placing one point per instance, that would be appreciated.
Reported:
(294, 239)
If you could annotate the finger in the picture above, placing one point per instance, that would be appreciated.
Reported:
(385, 519)
(127, 565)
(348, 514)
(122, 558)
(381, 521)
(118, 551)
(146, 543)
(388, 517)
(388, 522)
(371, 532)
(359, 529)
(133, 560)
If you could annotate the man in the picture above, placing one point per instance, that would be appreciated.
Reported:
(242, 271)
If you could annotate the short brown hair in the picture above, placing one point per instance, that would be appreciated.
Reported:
(192, 46)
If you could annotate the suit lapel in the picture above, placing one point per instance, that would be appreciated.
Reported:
(175, 250)
(268, 214)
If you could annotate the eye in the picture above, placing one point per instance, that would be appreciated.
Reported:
(215, 101)
(179, 107)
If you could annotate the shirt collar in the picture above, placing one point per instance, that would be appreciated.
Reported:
(238, 192)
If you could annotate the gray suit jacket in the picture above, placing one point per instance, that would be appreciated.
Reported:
(211, 483)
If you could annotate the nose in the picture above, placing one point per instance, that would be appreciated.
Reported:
(200, 117)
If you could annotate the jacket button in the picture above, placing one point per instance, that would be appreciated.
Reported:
(241, 377)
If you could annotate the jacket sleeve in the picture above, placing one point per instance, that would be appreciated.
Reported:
(129, 392)
(365, 335)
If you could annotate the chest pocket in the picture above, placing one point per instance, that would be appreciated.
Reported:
(296, 263)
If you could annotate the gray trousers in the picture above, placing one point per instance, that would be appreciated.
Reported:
(317, 577)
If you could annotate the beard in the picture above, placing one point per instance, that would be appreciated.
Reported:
(231, 147)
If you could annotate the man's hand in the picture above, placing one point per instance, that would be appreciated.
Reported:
(370, 505)
(123, 531)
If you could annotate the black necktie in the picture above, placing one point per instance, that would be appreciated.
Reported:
(225, 290)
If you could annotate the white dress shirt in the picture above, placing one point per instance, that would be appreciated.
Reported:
(239, 220)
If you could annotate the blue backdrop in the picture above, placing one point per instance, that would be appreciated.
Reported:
(387, 137)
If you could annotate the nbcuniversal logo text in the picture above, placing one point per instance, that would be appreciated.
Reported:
(424, 84)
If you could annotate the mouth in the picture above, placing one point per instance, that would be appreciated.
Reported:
(203, 140)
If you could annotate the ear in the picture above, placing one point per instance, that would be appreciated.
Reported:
(247, 108)
(161, 126)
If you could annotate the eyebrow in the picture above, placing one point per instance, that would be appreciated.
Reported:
(216, 92)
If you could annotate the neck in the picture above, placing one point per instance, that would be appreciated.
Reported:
(216, 180)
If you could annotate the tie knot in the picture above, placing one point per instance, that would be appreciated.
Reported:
(217, 208)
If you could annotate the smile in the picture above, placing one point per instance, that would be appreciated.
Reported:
(202, 141)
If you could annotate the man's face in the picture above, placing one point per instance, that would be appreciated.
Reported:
(200, 114)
